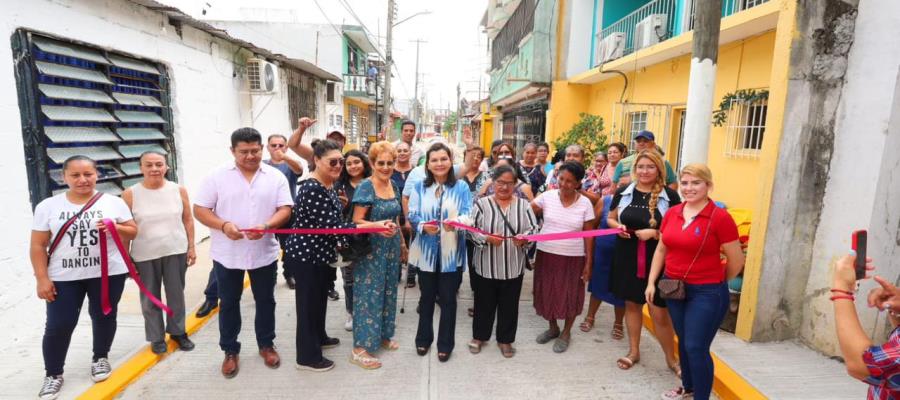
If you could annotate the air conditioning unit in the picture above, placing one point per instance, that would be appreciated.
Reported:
(262, 76)
(611, 47)
(649, 31)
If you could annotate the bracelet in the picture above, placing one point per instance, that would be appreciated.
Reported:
(842, 296)
(842, 291)
(223, 225)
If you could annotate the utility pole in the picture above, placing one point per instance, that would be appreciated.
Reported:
(388, 64)
(458, 117)
(416, 113)
(702, 82)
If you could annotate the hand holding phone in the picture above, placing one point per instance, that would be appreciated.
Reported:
(859, 246)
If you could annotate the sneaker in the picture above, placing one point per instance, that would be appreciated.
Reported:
(100, 370)
(184, 343)
(333, 295)
(159, 347)
(50, 389)
(348, 326)
(320, 366)
(678, 393)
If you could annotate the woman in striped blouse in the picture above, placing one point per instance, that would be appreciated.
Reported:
(499, 264)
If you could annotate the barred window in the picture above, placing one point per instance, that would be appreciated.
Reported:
(301, 95)
(77, 99)
(746, 128)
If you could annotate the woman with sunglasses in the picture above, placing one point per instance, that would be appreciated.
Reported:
(317, 206)
(375, 276)
(356, 169)
(439, 250)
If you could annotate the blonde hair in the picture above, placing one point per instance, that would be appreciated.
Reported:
(698, 170)
(658, 185)
(380, 147)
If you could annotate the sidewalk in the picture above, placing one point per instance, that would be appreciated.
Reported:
(22, 365)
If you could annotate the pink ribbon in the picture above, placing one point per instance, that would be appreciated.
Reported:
(104, 270)
(319, 231)
(540, 237)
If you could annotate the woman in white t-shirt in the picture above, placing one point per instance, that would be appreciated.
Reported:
(69, 271)
(163, 248)
(563, 266)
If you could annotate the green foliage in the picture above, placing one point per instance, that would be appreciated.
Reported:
(587, 132)
(450, 123)
(745, 96)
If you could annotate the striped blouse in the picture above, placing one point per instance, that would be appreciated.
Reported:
(506, 261)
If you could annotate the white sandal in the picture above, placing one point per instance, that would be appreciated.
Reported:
(364, 360)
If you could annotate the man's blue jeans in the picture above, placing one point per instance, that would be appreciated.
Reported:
(696, 319)
(231, 286)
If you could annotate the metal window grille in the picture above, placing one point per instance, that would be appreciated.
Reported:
(630, 118)
(302, 101)
(353, 124)
(746, 128)
(520, 24)
(77, 99)
(329, 92)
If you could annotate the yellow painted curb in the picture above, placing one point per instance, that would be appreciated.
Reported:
(140, 363)
(727, 383)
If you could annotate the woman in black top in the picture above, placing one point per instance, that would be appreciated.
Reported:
(356, 169)
(317, 206)
(638, 209)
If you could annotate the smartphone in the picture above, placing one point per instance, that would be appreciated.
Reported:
(859, 246)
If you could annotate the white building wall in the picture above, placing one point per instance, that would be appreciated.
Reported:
(863, 189)
(579, 30)
(208, 103)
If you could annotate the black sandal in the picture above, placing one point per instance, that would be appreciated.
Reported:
(421, 351)
(443, 357)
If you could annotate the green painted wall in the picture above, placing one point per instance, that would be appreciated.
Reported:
(533, 62)
(615, 10)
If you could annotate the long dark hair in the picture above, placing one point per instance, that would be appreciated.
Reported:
(429, 177)
(367, 168)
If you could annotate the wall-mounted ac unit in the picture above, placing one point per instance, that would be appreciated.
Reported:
(262, 76)
(649, 31)
(611, 47)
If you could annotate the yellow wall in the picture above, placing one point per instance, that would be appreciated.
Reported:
(745, 64)
(364, 110)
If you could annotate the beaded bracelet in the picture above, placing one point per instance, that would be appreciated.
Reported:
(842, 296)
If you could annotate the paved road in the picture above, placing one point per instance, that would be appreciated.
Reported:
(586, 371)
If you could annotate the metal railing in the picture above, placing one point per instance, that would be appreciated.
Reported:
(359, 84)
(659, 24)
(520, 24)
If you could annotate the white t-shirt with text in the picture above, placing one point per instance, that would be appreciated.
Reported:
(77, 256)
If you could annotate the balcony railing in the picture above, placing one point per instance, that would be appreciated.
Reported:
(359, 85)
(520, 24)
(654, 22)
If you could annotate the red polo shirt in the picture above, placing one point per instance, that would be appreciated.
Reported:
(682, 244)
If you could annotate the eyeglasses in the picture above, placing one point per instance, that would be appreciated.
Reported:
(505, 183)
(384, 163)
(334, 162)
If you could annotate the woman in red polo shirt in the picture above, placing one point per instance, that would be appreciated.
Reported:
(691, 236)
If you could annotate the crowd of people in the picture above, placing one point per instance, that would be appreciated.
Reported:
(414, 203)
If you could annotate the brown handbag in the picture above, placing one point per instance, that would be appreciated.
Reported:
(673, 289)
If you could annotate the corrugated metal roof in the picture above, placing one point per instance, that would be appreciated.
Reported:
(131, 168)
(140, 133)
(134, 64)
(97, 153)
(139, 117)
(66, 71)
(72, 134)
(135, 150)
(67, 49)
(65, 113)
(136, 100)
(74, 93)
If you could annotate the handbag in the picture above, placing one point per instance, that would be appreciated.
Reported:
(673, 289)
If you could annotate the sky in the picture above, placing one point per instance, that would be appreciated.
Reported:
(453, 50)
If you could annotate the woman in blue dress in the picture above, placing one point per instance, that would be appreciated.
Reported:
(375, 276)
(604, 247)
(439, 250)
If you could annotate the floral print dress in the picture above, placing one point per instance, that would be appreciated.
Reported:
(375, 276)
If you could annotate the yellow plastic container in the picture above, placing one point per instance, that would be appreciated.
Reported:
(742, 218)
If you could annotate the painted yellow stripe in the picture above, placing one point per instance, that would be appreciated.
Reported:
(140, 363)
(727, 383)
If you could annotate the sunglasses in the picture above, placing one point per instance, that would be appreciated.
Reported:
(276, 146)
(334, 162)
(384, 163)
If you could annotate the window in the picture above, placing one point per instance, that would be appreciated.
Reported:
(637, 122)
(80, 100)
(329, 92)
(353, 127)
(746, 128)
(301, 95)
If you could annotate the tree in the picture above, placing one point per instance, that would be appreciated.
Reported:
(588, 133)
(450, 123)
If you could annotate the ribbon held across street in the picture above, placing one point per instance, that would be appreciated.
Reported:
(539, 237)
(104, 270)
